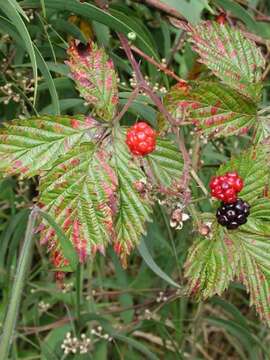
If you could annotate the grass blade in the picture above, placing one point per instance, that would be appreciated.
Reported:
(145, 254)
(16, 293)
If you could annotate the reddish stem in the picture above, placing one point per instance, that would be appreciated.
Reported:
(141, 83)
(132, 97)
(163, 68)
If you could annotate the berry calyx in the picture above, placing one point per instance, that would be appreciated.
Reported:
(233, 215)
(141, 139)
(226, 187)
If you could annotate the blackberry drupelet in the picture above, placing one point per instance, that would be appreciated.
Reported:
(233, 215)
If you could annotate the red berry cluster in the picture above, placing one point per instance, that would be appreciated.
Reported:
(226, 187)
(141, 139)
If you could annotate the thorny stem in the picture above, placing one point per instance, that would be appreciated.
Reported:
(142, 85)
(132, 60)
(161, 67)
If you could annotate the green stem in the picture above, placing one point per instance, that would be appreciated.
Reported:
(170, 234)
(16, 293)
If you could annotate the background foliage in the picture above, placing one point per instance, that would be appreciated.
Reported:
(138, 312)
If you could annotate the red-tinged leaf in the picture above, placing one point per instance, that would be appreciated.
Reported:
(133, 209)
(262, 134)
(79, 194)
(236, 60)
(30, 147)
(253, 269)
(243, 253)
(210, 265)
(95, 77)
(213, 108)
(227, 255)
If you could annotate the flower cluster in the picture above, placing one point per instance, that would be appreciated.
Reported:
(73, 345)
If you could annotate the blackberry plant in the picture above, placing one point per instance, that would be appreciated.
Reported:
(100, 180)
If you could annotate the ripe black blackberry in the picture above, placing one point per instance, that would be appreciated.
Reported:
(233, 215)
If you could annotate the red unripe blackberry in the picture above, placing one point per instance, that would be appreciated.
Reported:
(233, 215)
(141, 139)
(226, 187)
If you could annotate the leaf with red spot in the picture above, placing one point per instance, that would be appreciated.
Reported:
(253, 269)
(213, 108)
(88, 182)
(78, 193)
(242, 254)
(30, 147)
(233, 58)
(133, 209)
(210, 265)
(95, 77)
(262, 134)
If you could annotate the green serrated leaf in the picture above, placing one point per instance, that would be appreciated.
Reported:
(214, 108)
(134, 209)
(231, 57)
(262, 132)
(253, 269)
(210, 265)
(249, 245)
(95, 77)
(261, 209)
(30, 146)
(165, 163)
(66, 246)
(78, 193)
